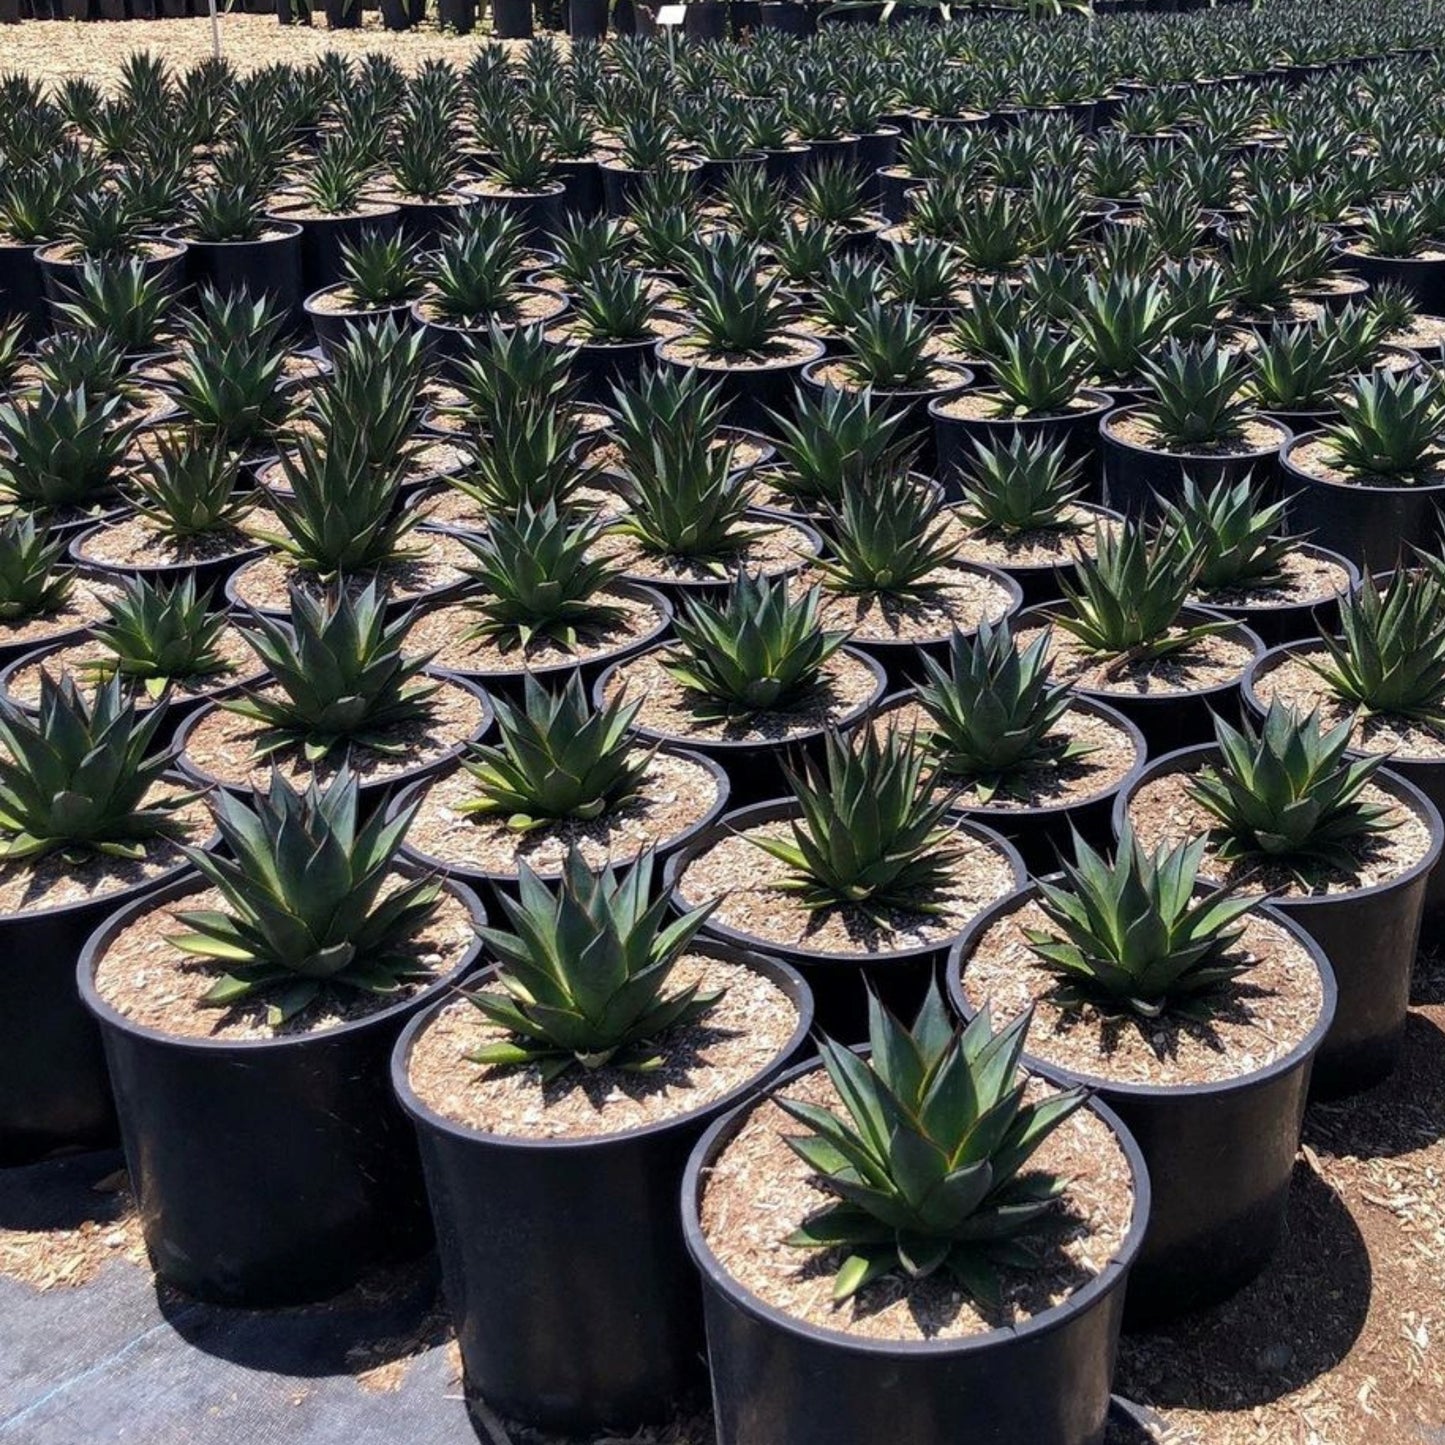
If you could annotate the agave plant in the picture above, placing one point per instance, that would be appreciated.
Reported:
(1198, 394)
(1037, 372)
(1125, 599)
(582, 981)
(889, 348)
(762, 649)
(1390, 655)
(872, 834)
(477, 267)
(832, 440)
(1391, 425)
(558, 759)
(382, 270)
(32, 581)
(994, 711)
(1132, 936)
(340, 677)
(1235, 533)
(612, 304)
(189, 486)
(736, 311)
(123, 299)
(63, 449)
(370, 394)
(1289, 792)
(313, 901)
(1021, 485)
(70, 360)
(79, 777)
(888, 536)
(157, 633)
(930, 1154)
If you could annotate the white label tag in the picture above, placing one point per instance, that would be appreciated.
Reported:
(671, 14)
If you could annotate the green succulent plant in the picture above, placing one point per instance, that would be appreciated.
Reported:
(1288, 791)
(1233, 530)
(994, 710)
(888, 537)
(1037, 371)
(189, 486)
(872, 832)
(1198, 394)
(831, 440)
(761, 650)
(33, 583)
(63, 449)
(382, 269)
(582, 981)
(1132, 936)
(558, 758)
(737, 311)
(157, 633)
(79, 776)
(1021, 485)
(123, 299)
(1391, 425)
(341, 677)
(313, 901)
(929, 1154)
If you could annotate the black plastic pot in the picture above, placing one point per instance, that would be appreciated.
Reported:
(512, 19)
(778, 1379)
(424, 221)
(1290, 621)
(266, 1171)
(322, 237)
(22, 292)
(343, 14)
(840, 982)
(540, 213)
(756, 769)
(956, 436)
(1370, 525)
(582, 178)
(1220, 1155)
(332, 328)
(792, 17)
(1135, 477)
(749, 392)
(1422, 277)
(60, 275)
(450, 342)
(1040, 583)
(212, 572)
(599, 366)
(267, 267)
(587, 19)
(1369, 936)
(563, 1260)
(1175, 719)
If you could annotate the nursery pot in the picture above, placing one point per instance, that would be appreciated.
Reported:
(267, 1171)
(840, 982)
(776, 1378)
(1039, 582)
(511, 19)
(1274, 623)
(270, 266)
(333, 328)
(750, 391)
(1370, 525)
(22, 292)
(1423, 277)
(563, 1260)
(587, 19)
(208, 572)
(1136, 477)
(1368, 935)
(1220, 1155)
(322, 237)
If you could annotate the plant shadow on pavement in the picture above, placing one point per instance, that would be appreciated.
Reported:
(1294, 1323)
(65, 1193)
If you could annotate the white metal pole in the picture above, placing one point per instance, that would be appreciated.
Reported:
(215, 31)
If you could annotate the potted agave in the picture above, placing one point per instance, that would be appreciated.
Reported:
(1127, 634)
(270, 984)
(91, 818)
(861, 878)
(1196, 1015)
(563, 776)
(1197, 421)
(101, 226)
(904, 1275)
(1014, 748)
(1279, 586)
(556, 1101)
(519, 179)
(1372, 482)
(380, 279)
(748, 679)
(1341, 846)
(1384, 675)
(41, 602)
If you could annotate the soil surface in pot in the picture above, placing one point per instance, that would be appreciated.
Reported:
(766, 547)
(1255, 1020)
(694, 351)
(1303, 577)
(443, 631)
(1210, 662)
(223, 745)
(758, 1191)
(846, 684)
(1317, 457)
(749, 882)
(1292, 680)
(945, 598)
(1163, 811)
(1040, 784)
(85, 604)
(1254, 435)
(747, 452)
(55, 881)
(1039, 547)
(452, 507)
(149, 981)
(743, 1034)
(842, 372)
(139, 542)
(987, 405)
(675, 794)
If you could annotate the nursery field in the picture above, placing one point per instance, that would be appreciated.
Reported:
(725, 743)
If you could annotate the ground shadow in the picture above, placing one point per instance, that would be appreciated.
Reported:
(64, 1193)
(1399, 1116)
(1295, 1322)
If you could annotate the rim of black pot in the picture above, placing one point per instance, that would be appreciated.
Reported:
(774, 809)
(1096, 510)
(1085, 703)
(1237, 611)
(192, 881)
(177, 235)
(964, 377)
(413, 773)
(722, 1132)
(1103, 402)
(1185, 458)
(369, 313)
(1329, 996)
(759, 516)
(372, 208)
(621, 653)
(1046, 611)
(787, 978)
(480, 328)
(891, 646)
(466, 872)
(730, 745)
(1180, 759)
(739, 367)
(431, 597)
(152, 569)
(1423, 489)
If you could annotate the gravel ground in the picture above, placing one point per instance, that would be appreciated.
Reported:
(55, 49)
